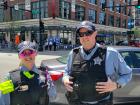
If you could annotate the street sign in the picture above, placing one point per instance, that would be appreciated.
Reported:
(138, 7)
(35, 11)
(16, 7)
(28, 4)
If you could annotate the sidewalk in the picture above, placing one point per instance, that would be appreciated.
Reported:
(55, 53)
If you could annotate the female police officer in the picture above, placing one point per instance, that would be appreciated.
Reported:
(93, 71)
(26, 85)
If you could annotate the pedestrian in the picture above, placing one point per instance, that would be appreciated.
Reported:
(54, 45)
(50, 45)
(93, 71)
(45, 45)
(27, 85)
(35, 44)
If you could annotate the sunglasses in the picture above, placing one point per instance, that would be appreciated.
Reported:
(27, 53)
(87, 33)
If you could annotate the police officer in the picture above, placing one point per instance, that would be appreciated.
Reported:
(27, 85)
(93, 71)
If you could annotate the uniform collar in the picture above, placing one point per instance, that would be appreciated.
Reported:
(34, 69)
(88, 56)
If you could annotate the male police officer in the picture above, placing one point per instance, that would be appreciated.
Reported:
(93, 71)
(26, 85)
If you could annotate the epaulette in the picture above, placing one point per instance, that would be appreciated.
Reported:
(76, 50)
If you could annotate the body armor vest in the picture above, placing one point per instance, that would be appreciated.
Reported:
(87, 73)
(31, 91)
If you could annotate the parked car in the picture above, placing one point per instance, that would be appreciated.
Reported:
(122, 43)
(135, 43)
(130, 93)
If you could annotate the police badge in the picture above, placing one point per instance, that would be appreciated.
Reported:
(97, 60)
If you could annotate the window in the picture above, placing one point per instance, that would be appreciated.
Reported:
(130, 23)
(129, 12)
(111, 4)
(65, 9)
(102, 2)
(127, 57)
(111, 20)
(124, 10)
(102, 18)
(21, 13)
(118, 9)
(137, 59)
(80, 13)
(92, 15)
(92, 1)
(43, 7)
(132, 58)
(118, 22)
(18, 14)
(129, 2)
(1, 15)
(124, 23)
(35, 7)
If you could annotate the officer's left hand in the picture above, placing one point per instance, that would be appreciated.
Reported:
(108, 86)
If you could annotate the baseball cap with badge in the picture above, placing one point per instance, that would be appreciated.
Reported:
(86, 24)
(26, 45)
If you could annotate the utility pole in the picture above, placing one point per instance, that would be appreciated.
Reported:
(41, 28)
(40, 34)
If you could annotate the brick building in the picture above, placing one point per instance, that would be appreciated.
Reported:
(60, 18)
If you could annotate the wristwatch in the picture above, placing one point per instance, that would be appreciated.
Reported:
(118, 85)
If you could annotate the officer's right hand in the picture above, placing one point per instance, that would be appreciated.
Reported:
(68, 84)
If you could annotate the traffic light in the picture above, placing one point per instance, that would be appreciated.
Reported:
(138, 5)
(42, 26)
(103, 7)
(138, 2)
(5, 5)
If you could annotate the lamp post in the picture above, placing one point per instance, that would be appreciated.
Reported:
(41, 28)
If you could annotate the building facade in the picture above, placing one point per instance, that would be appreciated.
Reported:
(60, 18)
